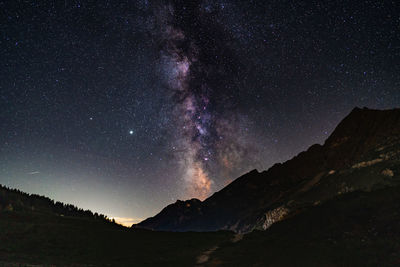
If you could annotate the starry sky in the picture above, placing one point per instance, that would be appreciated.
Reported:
(123, 107)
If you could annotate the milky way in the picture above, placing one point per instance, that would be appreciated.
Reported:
(204, 140)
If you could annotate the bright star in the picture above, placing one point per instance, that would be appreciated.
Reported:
(130, 132)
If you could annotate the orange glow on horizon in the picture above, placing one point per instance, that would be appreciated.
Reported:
(127, 222)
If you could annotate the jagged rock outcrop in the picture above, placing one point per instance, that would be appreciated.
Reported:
(357, 156)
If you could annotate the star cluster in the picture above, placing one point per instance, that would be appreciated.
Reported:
(124, 106)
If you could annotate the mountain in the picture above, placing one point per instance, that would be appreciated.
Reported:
(362, 154)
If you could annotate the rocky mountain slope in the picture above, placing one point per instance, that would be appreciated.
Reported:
(353, 229)
(362, 154)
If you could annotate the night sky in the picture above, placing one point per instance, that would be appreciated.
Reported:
(123, 107)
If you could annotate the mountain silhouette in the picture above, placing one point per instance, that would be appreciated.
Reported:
(360, 155)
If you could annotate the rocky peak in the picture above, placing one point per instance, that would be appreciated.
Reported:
(362, 131)
(365, 125)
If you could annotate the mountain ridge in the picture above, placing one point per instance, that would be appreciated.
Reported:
(255, 200)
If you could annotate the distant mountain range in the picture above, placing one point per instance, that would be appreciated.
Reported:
(362, 154)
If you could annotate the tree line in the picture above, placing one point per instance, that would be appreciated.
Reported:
(16, 200)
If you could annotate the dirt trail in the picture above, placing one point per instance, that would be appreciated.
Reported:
(205, 256)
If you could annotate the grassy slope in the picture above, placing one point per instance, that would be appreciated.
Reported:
(49, 239)
(356, 229)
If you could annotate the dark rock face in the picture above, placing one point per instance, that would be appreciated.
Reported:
(361, 154)
(174, 216)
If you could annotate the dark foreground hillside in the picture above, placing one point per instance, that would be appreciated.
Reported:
(36, 231)
(355, 229)
(56, 241)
